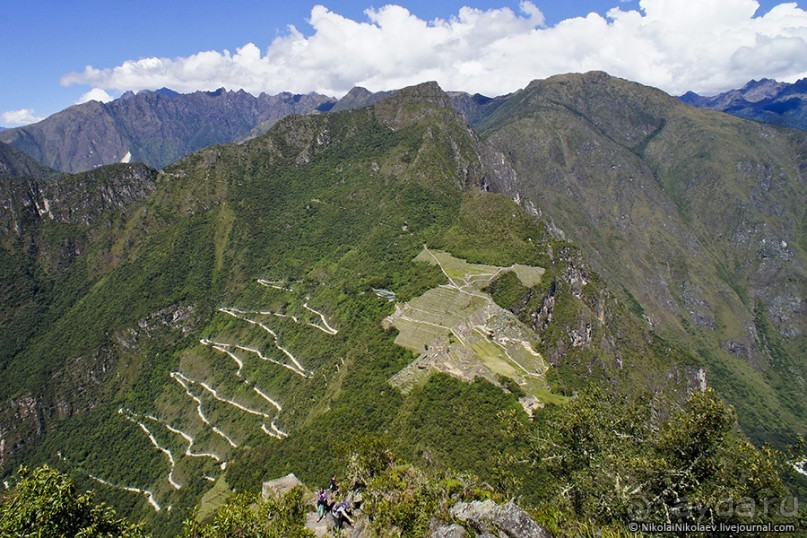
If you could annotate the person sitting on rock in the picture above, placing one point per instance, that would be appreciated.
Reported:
(340, 514)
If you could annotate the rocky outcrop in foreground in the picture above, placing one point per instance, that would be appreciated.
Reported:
(483, 519)
(487, 518)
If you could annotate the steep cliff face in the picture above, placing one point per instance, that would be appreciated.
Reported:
(152, 127)
(56, 240)
(72, 199)
(694, 217)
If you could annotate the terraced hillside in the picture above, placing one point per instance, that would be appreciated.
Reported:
(222, 321)
(458, 329)
(223, 394)
(213, 323)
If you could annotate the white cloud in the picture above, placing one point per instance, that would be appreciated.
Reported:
(706, 46)
(24, 116)
(95, 94)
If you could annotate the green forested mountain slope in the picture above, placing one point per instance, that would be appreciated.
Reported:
(221, 321)
(695, 218)
(14, 162)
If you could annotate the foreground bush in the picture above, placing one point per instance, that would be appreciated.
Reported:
(245, 515)
(45, 502)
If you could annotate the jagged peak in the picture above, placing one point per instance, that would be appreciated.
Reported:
(757, 83)
(166, 92)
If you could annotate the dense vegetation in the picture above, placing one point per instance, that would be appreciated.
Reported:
(47, 503)
(248, 516)
(593, 465)
(611, 463)
(113, 310)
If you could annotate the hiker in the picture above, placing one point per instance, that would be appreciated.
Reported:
(334, 486)
(340, 514)
(322, 503)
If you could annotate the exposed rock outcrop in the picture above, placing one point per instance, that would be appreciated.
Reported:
(449, 531)
(280, 486)
(489, 517)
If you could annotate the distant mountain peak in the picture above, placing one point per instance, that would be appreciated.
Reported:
(358, 91)
(358, 97)
(156, 127)
(764, 100)
(166, 92)
(425, 91)
(753, 83)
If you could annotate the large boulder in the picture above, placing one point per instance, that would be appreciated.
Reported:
(280, 486)
(320, 527)
(489, 517)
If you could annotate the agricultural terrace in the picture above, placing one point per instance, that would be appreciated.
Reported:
(458, 329)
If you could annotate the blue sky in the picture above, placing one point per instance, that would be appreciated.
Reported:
(493, 47)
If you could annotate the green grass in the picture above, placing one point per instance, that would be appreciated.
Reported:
(456, 269)
(213, 499)
(446, 323)
(416, 336)
(528, 275)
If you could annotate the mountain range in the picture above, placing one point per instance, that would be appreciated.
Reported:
(159, 127)
(763, 100)
(152, 127)
(419, 265)
(696, 216)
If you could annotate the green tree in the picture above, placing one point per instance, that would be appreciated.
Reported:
(244, 515)
(404, 500)
(704, 470)
(46, 503)
(595, 451)
(609, 461)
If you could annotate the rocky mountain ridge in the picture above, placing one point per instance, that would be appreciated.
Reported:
(14, 162)
(763, 100)
(152, 127)
(694, 217)
(159, 127)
